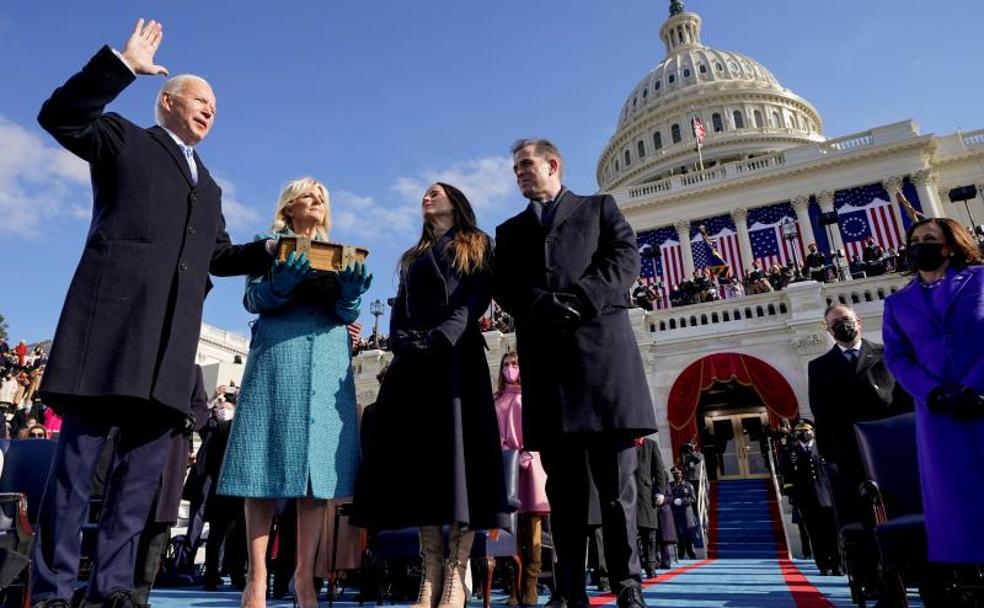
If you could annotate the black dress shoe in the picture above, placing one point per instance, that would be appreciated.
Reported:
(52, 603)
(120, 599)
(631, 597)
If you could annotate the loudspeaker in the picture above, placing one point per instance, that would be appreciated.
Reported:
(650, 253)
(829, 217)
(963, 193)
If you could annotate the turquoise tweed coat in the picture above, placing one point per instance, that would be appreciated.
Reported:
(295, 432)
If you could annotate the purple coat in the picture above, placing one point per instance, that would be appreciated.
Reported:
(923, 350)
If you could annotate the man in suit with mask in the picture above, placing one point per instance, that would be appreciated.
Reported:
(124, 349)
(563, 269)
(849, 384)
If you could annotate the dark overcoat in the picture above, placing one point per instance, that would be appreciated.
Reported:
(176, 466)
(650, 480)
(807, 476)
(842, 395)
(433, 456)
(130, 322)
(934, 337)
(590, 379)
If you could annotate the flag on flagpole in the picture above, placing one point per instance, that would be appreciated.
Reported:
(699, 130)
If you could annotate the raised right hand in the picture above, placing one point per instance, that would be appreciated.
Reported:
(287, 275)
(140, 48)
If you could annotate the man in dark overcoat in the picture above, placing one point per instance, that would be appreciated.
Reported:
(563, 269)
(850, 383)
(125, 343)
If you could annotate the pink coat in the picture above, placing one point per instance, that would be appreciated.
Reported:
(52, 421)
(532, 477)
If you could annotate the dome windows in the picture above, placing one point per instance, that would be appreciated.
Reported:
(717, 122)
(687, 73)
(675, 133)
(739, 119)
(645, 93)
(757, 119)
(657, 140)
(656, 85)
(671, 78)
(634, 100)
(702, 68)
(719, 66)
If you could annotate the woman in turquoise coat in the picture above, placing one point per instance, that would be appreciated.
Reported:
(295, 434)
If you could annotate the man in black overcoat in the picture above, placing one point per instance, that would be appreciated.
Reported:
(125, 343)
(850, 383)
(563, 269)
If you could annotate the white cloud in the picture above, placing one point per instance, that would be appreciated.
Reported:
(487, 182)
(238, 215)
(39, 182)
(366, 218)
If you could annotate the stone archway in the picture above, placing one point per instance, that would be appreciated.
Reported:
(769, 385)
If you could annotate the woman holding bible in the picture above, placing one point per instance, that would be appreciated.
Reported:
(295, 434)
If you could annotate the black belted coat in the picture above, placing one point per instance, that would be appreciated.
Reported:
(433, 456)
(130, 323)
(591, 379)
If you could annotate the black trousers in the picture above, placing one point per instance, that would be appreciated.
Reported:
(138, 460)
(612, 462)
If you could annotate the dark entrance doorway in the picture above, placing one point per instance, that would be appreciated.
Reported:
(734, 431)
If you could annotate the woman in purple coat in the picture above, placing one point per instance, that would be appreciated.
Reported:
(933, 332)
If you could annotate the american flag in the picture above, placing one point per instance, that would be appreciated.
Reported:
(865, 212)
(724, 237)
(667, 268)
(699, 130)
(769, 244)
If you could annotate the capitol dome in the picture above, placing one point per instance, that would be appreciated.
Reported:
(745, 111)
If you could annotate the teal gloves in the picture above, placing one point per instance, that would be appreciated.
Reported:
(354, 281)
(287, 275)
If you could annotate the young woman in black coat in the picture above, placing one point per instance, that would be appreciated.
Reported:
(436, 459)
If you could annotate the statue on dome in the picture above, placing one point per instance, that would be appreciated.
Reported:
(676, 7)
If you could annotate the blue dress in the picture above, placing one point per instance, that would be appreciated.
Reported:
(295, 431)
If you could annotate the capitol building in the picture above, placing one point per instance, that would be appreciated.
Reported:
(723, 371)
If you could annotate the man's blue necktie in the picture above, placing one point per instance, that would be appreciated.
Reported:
(192, 165)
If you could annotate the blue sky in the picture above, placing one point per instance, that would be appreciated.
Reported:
(378, 99)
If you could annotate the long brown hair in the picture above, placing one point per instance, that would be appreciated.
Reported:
(470, 246)
(501, 386)
(958, 240)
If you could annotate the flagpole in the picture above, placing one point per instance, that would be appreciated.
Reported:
(693, 129)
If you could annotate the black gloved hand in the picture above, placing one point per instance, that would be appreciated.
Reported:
(418, 341)
(558, 309)
(959, 402)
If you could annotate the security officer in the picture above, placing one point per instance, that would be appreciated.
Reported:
(806, 482)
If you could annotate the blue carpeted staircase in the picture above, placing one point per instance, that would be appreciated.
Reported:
(743, 523)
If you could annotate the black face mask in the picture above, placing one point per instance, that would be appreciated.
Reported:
(805, 436)
(926, 256)
(845, 330)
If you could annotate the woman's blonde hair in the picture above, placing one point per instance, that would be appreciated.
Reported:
(470, 248)
(295, 189)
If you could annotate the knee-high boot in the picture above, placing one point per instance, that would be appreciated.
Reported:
(456, 591)
(432, 567)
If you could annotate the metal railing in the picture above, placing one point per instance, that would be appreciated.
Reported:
(703, 506)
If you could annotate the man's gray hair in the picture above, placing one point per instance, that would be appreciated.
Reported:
(544, 148)
(172, 86)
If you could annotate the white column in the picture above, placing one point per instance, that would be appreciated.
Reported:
(826, 202)
(925, 183)
(893, 186)
(740, 217)
(683, 235)
(801, 205)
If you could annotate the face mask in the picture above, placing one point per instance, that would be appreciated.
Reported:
(926, 256)
(511, 374)
(223, 414)
(805, 436)
(845, 330)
